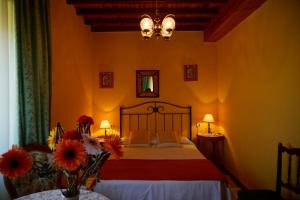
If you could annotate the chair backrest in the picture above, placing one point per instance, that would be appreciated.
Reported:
(291, 152)
(40, 178)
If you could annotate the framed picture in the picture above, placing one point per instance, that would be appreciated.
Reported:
(106, 80)
(191, 72)
(147, 83)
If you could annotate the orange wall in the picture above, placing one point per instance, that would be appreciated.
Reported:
(72, 61)
(79, 55)
(258, 90)
(249, 80)
(124, 53)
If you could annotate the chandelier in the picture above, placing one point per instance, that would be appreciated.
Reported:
(164, 28)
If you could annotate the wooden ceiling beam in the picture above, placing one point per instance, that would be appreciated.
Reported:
(112, 29)
(137, 24)
(209, 11)
(140, 1)
(146, 4)
(135, 28)
(229, 17)
(203, 21)
(216, 17)
(138, 15)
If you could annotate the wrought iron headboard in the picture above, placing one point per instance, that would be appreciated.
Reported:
(157, 108)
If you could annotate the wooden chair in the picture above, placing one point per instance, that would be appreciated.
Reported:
(276, 195)
(40, 178)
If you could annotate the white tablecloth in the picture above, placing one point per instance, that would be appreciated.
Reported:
(56, 194)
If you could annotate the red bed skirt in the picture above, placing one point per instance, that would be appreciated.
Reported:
(184, 170)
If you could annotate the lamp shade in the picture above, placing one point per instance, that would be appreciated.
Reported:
(168, 23)
(146, 23)
(105, 124)
(208, 118)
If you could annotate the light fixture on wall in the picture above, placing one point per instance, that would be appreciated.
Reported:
(162, 28)
(209, 119)
(105, 125)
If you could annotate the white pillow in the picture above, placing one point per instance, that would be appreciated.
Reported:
(167, 137)
(185, 140)
(139, 137)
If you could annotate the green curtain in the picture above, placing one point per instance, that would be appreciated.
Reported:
(34, 72)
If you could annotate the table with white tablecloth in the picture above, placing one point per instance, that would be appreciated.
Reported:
(56, 194)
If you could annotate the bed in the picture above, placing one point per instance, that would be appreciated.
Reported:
(158, 167)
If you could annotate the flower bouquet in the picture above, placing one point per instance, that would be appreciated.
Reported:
(77, 158)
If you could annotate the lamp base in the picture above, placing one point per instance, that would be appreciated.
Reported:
(208, 128)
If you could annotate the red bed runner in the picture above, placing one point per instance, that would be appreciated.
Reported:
(131, 169)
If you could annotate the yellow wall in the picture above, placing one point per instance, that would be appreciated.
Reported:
(258, 90)
(124, 53)
(72, 61)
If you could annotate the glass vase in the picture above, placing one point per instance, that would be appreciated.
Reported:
(76, 197)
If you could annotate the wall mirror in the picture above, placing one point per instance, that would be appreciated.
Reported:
(147, 83)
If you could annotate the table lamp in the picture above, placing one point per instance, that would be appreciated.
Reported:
(209, 119)
(105, 125)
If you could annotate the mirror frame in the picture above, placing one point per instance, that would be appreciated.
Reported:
(139, 77)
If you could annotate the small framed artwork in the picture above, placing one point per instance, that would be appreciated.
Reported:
(191, 72)
(106, 79)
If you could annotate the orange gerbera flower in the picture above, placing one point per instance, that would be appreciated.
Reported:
(69, 154)
(16, 162)
(112, 144)
(72, 135)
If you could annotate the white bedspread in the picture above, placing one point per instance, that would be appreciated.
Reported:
(164, 189)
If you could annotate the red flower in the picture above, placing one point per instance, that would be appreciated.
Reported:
(112, 144)
(84, 119)
(72, 135)
(16, 162)
(69, 154)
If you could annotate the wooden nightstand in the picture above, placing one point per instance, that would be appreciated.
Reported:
(211, 145)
